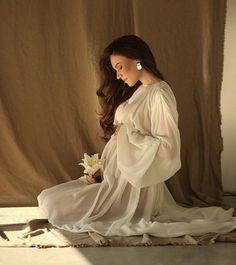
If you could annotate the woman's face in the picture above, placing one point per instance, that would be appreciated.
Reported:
(126, 69)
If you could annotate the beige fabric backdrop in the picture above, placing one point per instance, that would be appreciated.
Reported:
(49, 51)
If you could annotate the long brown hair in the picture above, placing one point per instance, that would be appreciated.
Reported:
(112, 91)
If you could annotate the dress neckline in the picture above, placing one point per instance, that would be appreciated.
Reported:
(140, 89)
(155, 83)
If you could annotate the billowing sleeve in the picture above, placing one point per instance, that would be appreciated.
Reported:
(146, 159)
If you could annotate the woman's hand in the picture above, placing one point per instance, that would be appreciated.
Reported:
(95, 178)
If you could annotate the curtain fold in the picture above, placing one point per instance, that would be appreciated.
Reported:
(49, 53)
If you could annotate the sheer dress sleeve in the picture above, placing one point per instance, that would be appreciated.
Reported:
(146, 159)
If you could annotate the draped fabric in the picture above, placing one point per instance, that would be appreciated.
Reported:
(49, 76)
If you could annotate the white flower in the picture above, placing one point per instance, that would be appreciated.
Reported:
(91, 164)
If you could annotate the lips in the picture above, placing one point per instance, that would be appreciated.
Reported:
(124, 80)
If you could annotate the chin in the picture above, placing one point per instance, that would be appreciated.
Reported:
(131, 84)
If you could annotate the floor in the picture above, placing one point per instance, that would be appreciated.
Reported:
(215, 254)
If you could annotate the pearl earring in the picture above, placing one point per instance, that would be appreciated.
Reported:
(139, 66)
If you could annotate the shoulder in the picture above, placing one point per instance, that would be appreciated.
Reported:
(161, 91)
(162, 100)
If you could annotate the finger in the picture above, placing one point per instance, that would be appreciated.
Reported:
(97, 173)
(90, 179)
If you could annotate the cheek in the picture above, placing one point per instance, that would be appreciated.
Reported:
(129, 70)
(133, 76)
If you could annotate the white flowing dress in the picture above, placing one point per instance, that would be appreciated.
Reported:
(133, 199)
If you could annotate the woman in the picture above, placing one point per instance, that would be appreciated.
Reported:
(140, 122)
